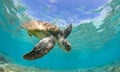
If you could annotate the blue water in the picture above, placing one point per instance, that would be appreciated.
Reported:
(94, 43)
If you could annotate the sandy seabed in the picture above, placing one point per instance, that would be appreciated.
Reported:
(7, 66)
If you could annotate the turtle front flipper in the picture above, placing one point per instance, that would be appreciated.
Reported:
(67, 31)
(42, 48)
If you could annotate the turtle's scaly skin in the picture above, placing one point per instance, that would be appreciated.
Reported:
(40, 29)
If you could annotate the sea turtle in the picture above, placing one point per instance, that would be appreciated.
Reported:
(49, 35)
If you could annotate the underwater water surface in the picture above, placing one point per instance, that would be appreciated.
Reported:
(95, 41)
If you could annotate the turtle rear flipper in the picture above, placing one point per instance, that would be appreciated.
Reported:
(42, 48)
(29, 33)
(67, 31)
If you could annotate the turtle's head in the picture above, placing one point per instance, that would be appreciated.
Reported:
(63, 43)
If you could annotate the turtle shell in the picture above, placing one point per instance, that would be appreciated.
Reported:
(41, 26)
